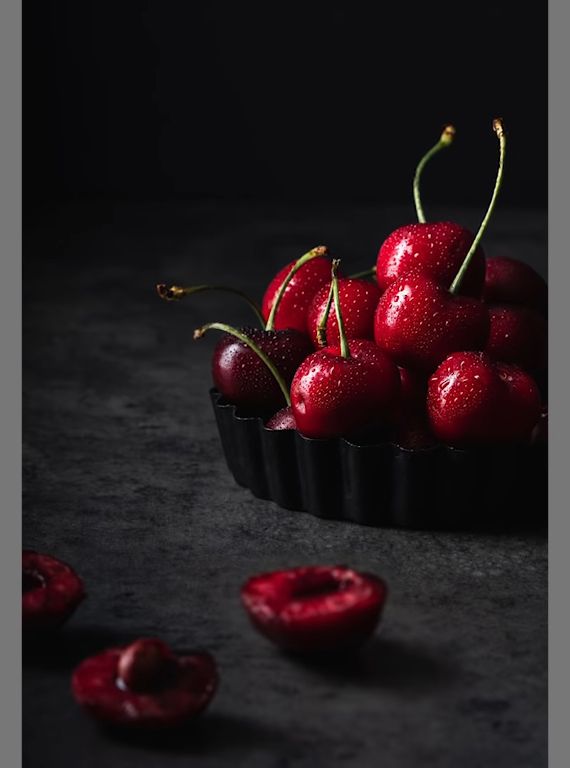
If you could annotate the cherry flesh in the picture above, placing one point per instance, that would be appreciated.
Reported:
(51, 591)
(145, 685)
(315, 608)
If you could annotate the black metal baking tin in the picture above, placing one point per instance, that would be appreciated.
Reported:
(382, 484)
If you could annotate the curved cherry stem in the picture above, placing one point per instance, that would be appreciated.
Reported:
(365, 273)
(199, 332)
(320, 250)
(344, 350)
(500, 131)
(322, 324)
(178, 292)
(445, 140)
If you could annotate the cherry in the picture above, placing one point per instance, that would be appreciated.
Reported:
(295, 302)
(145, 685)
(472, 399)
(315, 608)
(339, 391)
(508, 281)
(253, 368)
(419, 322)
(436, 248)
(518, 335)
(51, 591)
(358, 301)
(283, 419)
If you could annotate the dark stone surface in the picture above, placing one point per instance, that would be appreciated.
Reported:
(124, 478)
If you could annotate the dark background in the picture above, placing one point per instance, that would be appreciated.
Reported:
(312, 102)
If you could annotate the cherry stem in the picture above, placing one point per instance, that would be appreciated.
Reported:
(322, 324)
(199, 332)
(365, 273)
(500, 131)
(445, 140)
(344, 350)
(177, 292)
(320, 250)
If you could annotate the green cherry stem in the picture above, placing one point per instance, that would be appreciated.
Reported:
(445, 140)
(365, 273)
(199, 332)
(178, 292)
(500, 131)
(344, 350)
(320, 250)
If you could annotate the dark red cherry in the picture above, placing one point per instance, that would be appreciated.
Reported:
(51, 591)
(315, 608)
(418, 323)
(145, 685)
(438, 249)
(509, 281)
(244, 379)
(474, 400)
(518, 335)
(294, 305)
(358, 300)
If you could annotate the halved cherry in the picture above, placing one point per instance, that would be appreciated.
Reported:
(145, 685)
(51, 591)
(315, 608)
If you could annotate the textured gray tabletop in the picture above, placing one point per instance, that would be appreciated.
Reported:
(124, 478)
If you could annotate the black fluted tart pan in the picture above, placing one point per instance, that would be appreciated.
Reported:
(383, 485)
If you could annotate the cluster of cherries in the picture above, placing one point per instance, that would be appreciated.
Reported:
(147, 686)
(442, 344)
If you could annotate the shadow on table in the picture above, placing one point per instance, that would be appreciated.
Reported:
(211, 733)
(385, 664)
(65, 648)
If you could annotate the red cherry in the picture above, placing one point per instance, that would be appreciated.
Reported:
(161, 690)
(315, 608)
(419, 323)
(358, 300)
(244, 379)
(508, 281)
(283, 419)
(472, 399)
(437, 249)
(294, 305)
(518, 335)
(336, 396)
(51, 591)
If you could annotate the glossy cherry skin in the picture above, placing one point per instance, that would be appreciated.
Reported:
(294, 305)
(244, 379)
(473, 400)
(51, 592)
(358, 301)
(178, 689)
(283, 419)
(315, 608)
(509, 281)
(438, 249)
(419, 323)
(333, 396)
(518, 335)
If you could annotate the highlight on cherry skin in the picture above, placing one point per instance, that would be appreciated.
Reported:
(315, 608)
(145, 685)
